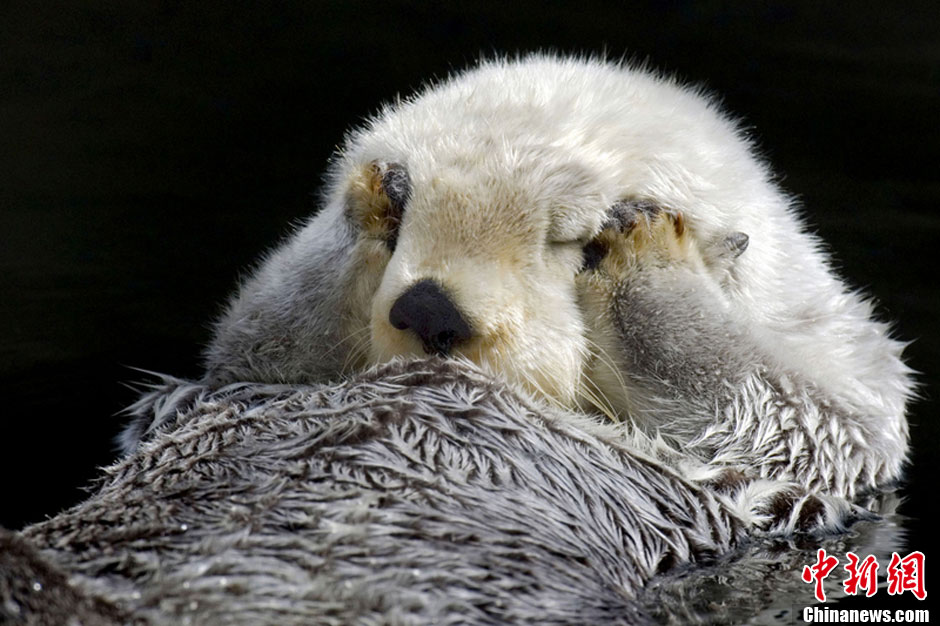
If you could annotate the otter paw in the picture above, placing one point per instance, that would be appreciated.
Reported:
(774, 508)
(726, 480)
(649, 232)
(640, 233)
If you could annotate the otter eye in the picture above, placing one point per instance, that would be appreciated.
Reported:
(592, 254)
(397, 188)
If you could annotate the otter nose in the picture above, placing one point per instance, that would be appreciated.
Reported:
(431, 315)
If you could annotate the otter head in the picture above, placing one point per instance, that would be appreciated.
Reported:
(467, 222)
(477, 263)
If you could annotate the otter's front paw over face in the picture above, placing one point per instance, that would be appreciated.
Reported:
(377, 199)
(627, 268)
(638, 233)
(652, 294)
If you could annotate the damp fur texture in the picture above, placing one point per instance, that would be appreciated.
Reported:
(648, 361)
(607, 240)
(418, 492)
(422, 492)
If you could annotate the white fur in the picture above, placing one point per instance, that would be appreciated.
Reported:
(514, 166)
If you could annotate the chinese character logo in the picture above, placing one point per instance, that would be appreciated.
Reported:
(864, 575)
(903, 574)
(907, 574)
(824, 565)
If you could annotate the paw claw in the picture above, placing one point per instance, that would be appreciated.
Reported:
(639, 233)
(625, 214)
(678, 223)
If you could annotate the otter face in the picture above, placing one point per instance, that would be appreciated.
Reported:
(467, 222)
(452, 266)
(458, 265)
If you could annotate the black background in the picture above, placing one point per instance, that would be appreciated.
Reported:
(149, 151)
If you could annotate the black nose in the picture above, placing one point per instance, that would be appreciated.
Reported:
(431, 315)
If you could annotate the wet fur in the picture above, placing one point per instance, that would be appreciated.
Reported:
(622, 256)
(416, 492)
(712, 321)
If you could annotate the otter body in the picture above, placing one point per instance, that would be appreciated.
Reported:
(606, 241)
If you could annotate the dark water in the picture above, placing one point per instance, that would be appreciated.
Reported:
(152, 150)
(761, 584)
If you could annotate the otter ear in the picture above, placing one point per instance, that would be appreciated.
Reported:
(377, 198)
(724, 250)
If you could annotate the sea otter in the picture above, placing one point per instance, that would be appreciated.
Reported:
(605, 240)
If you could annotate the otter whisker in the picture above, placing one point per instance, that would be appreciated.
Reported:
(354, 335)
(537, 386)
(597, 351)
(597, 398)
(357, 351)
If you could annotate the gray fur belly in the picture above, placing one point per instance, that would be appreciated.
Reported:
(419, 493)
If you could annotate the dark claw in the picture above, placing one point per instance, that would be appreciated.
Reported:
(624, 213)
(397, 186)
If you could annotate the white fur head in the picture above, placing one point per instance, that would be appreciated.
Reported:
(489, 186)
(483, 191)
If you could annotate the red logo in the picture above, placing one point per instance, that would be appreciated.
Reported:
(907, 574)
(824, 565)
(864, 575)
(904, 574)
